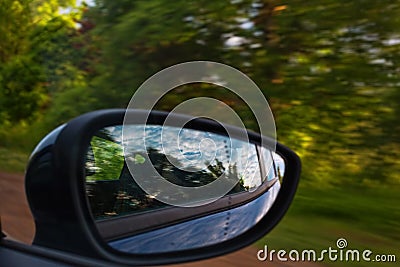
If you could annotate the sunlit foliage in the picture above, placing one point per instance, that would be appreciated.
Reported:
(329, 69)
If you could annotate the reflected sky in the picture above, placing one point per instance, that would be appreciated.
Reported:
(191, 150)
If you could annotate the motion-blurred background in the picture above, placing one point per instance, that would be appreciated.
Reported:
(330, 70)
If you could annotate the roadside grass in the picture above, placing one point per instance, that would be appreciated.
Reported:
(366, 218)
(13, 161)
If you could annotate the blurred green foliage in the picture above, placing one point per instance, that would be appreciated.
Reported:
(106, 160)
(330, 70)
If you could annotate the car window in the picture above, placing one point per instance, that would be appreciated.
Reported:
(273, 164)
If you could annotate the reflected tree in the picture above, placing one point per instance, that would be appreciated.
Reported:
(123, 195)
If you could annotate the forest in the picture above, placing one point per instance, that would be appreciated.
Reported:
(329, 69)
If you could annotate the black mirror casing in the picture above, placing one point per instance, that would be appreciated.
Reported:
(55, 188)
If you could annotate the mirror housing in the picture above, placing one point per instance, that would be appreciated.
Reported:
(55, 187)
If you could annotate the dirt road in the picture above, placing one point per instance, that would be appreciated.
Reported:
(16, 217)
(17, 222)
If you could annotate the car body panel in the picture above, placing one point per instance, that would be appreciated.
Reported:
(200, 232)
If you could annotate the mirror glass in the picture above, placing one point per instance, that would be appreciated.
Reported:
(126, 205)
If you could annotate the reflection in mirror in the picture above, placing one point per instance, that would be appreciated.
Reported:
(130, 219)
(275, 162)
(197, 160)
(214, 228)
(200, 232)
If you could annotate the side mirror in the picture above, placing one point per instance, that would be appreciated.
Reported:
(176, 187)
